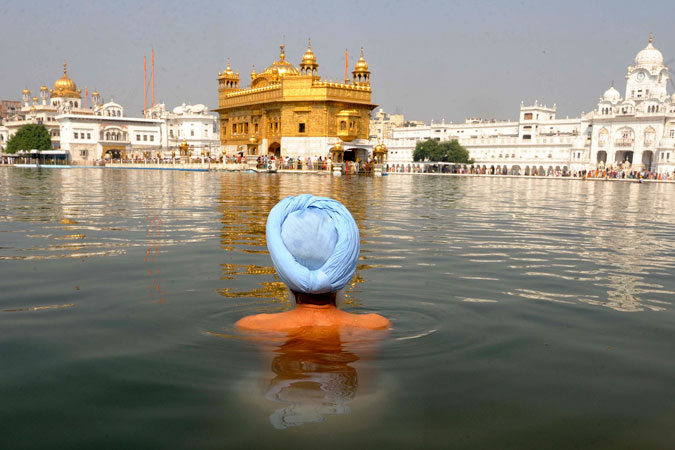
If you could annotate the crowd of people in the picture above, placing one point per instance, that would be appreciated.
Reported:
(619, 172)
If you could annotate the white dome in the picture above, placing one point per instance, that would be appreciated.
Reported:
(659, 92)
(649, 56)
(611, 95)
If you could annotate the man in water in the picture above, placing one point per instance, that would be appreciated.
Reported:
(314, 245)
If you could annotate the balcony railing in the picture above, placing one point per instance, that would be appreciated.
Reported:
(624, 142)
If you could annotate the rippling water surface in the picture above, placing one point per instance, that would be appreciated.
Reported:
(527, 313)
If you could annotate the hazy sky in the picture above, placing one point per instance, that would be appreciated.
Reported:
(429, 59)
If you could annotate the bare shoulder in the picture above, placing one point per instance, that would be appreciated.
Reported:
(372, 321)
(256, 322)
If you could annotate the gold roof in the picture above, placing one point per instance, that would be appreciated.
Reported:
(361, 64)
(64, 86)
(228, 71)
(309, 58)
(281, 68)
(26, 91)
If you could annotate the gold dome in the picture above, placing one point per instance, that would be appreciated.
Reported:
(35, 99)
(95, 93)
(228, 71)
(309, 58)
(281, 68)
(64, 86)
(380, 148)
(43, 88)
(361, 64)
(26, 91)
(253, 73)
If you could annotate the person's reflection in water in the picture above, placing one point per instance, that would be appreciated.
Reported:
(314, 245)
(313, 377)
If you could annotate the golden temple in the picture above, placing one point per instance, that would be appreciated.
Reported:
(292, 111)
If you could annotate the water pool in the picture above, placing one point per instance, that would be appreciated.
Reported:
(528, 313)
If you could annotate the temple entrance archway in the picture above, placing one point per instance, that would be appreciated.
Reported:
(350, 155)
(112, 153)
(647, 158)
(602, 157)
(274, 149)
(353, 154)
(622, 156)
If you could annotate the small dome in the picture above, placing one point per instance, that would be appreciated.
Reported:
(228, 71)
(309, 58)
(649, 56)
(253, 73)
(281, 68)
(43, 88)
(26, 91)
(611, 94)
(95, 93)
(361, 64)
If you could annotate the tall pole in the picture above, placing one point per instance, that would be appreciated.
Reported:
(153, 77)
(145, 84)
(346, 67)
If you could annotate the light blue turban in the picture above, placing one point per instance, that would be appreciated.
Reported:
(314, 243)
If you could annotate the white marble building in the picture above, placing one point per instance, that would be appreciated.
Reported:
(90, 130)
(634, 132)
(193, 124)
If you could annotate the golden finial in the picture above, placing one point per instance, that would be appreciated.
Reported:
(64, 67)
(612, 83)
(309, 44)
(228, 63)
(361, 52)
(283, 52)
(650, 37)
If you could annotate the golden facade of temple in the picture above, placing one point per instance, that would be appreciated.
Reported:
(291, 111)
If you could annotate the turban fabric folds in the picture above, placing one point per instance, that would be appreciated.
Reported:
(313, 242)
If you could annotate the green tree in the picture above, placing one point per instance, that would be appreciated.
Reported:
(447, 151)
(30, 137)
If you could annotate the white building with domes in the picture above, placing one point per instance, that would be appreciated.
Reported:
(633, 132)
(637, 130)
(90, 129)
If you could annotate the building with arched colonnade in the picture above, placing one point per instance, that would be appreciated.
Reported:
(633, 132)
